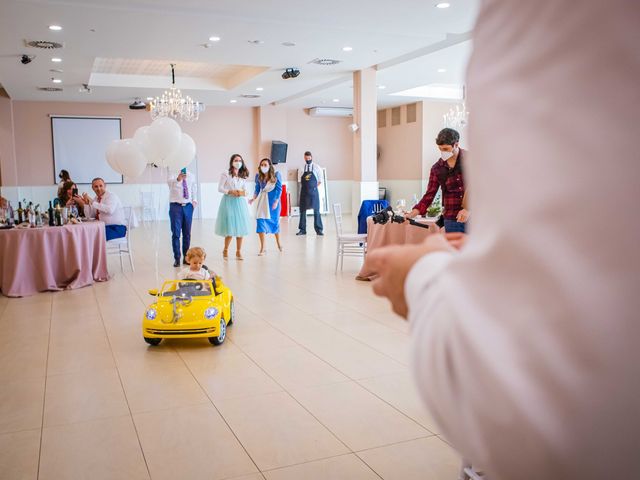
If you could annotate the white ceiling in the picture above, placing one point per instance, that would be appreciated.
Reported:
(408, 41)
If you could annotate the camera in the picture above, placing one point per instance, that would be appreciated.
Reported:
(74, 192)
(25, 59)
(385, 215)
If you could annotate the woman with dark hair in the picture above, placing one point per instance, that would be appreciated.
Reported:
(233, 214)
(267, 192)
(64, 177)
(65, 197)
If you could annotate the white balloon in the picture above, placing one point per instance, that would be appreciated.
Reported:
(164, 134)
(126, 158)
(183, 155)
(142, 138)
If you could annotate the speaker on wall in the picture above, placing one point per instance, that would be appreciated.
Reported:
(278, 152)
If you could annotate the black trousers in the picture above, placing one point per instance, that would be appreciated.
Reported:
(317, 219)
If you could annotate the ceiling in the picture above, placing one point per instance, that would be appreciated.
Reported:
(122, 49)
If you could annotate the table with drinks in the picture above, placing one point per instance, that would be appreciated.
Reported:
(49, 251)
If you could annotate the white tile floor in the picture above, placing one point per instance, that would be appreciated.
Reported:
(312, 382)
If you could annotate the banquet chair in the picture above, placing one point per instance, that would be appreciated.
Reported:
(349, 244)
(122, 246)
(467, 472)
(148, 201)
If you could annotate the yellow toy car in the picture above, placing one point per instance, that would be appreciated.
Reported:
(189, 309)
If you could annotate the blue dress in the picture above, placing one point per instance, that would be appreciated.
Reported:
(271, 225)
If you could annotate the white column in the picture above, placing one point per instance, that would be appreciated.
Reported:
(365, 171)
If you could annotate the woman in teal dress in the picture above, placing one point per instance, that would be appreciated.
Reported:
(267, 193)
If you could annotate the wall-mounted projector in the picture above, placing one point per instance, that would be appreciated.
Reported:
(290, 73)
(138, 105)
(331, 112)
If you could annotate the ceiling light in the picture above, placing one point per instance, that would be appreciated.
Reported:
(233, 101)
(149, 99)
(56, 60)
(442, 70)
(214, 39)
(56, 80)
(381, 87)
(347, 49)
(443, 5)
(336, 100)
(288, 44)
(172, 104)
(55, 28)
(259, 89)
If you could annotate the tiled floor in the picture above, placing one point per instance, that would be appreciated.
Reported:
(312, 382)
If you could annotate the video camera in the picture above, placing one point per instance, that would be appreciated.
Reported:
(388, 214)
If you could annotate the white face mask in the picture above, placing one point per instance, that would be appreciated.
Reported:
(264, 170)
(237, 165)
(447, 155)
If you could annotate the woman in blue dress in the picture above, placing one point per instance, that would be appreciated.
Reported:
(267, 197)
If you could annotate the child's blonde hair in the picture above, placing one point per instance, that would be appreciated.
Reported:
(196, 252)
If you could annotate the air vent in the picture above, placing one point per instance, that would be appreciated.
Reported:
(50, 89)
(250, 95)
(324, 61)
(43, 44)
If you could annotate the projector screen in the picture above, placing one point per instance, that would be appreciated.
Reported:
(79, 146)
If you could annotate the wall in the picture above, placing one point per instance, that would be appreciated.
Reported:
(8, 174)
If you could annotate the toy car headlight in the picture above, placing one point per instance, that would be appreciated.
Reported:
(210, 313)
(151, 314)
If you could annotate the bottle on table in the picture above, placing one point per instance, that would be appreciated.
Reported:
(20, 213)
(50, 212)
(58, 216)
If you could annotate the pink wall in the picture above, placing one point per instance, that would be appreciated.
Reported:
(400, 148)
(328, 138)
(8, 174)
(218, 133)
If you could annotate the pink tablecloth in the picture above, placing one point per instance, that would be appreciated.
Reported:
(393, 234)
(52, 258)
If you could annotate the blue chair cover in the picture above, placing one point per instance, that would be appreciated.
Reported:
(368, 208)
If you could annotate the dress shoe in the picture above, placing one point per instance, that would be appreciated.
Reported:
(320, 234)
(176, 263)
(184, 261)
(301, 233)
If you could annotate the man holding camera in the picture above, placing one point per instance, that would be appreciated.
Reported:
(182, 198)
(447, 174)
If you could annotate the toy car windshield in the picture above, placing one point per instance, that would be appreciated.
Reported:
(187, 289)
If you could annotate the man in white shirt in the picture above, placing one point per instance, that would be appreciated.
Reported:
(310, 178)
(106, 207)
(182, 198)
(526, 340)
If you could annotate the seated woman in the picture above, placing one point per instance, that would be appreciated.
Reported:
(65, 196)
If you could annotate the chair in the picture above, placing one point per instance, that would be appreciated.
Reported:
(122, 246)
(148, 201)
(467, 472)
(349, 244)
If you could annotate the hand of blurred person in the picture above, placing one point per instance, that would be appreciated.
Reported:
(181, 176)
(456, 240)
(79, 200)
(392, 265)
(463, 216)
(413, 213)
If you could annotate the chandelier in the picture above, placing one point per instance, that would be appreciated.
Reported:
(172, 104)
(458, 117)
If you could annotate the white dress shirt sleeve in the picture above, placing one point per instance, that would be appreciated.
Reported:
(223, 184)
(526, 342)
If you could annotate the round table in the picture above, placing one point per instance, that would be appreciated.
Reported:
(52, 258)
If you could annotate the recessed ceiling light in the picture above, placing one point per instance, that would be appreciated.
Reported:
(214, 39)
(288, 44)
(56, 80)
(149, 98)
(442, 70)
(55, 59)
(347, 49)
(55, 28)
(233, 101)
(336, 100)
(443, 5)
(259, 89)
(381, 87)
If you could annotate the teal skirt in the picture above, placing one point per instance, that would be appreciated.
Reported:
(233, 217)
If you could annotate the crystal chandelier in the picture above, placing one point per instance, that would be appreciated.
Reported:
(172, 104)
(458, 117)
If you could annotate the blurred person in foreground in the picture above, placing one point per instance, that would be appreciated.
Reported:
(525, 340)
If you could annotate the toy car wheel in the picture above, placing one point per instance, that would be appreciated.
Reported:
(152, 341)
(232, 312)
(219, 340)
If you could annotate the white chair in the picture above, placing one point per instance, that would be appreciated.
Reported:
(349, 244)
(122, 246)
(148, 201)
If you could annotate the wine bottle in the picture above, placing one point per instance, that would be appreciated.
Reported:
(20, 213)
(50, 211)
(58, 216)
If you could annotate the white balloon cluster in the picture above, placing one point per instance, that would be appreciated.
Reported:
(161, 143)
